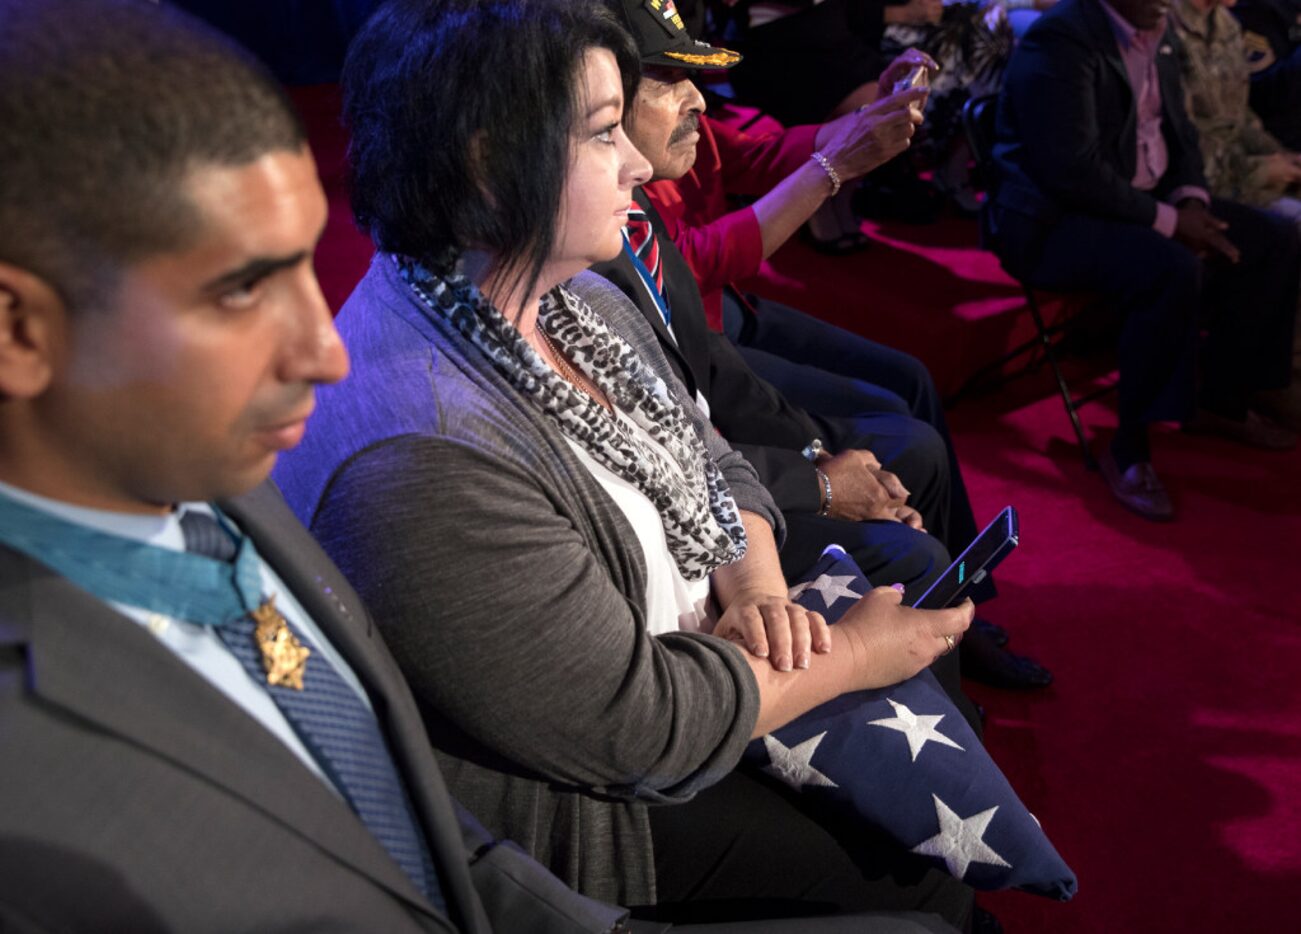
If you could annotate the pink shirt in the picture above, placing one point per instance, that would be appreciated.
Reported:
(1138, 50)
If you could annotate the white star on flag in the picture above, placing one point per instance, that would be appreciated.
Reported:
(831, 586)
(960, 841)
(794, 764)
(919, 729)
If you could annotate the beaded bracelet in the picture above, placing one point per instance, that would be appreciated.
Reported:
(826, 492)
(832, 174)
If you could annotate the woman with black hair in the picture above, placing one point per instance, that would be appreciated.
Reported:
(540, 520)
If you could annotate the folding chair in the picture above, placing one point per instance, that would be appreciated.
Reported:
(978, 121)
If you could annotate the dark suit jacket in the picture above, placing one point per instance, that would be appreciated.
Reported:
(134, 796)
(1066, 137)
(751, 414)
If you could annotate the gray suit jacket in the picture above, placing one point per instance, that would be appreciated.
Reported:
(135, 796)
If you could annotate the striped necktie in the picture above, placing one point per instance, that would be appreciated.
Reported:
(641, 236)
(338, 730)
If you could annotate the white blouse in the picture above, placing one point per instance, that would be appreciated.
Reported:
(672, 602)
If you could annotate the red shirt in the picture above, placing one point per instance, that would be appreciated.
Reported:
(723, 245)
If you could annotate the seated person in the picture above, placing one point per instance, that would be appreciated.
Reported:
(971, 40)
(161, 336)
(1272, 34)
(867, 404)
(538, 514)
(809, 62)
(1100, 188)
(1242, 159)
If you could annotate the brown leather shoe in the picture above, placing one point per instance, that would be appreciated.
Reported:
(1255, 431)
(1139, 489)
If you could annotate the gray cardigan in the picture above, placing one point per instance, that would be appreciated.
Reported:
(511, 589)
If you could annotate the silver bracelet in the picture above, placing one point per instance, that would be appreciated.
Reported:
(826, 492)
(832, 174)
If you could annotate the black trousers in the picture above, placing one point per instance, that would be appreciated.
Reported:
(1167, 296)
(741, 850)
(836, 374)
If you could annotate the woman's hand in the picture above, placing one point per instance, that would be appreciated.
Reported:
(775, 628)
(879, 642)
(891, 642)
(858, 142)
(898, 69)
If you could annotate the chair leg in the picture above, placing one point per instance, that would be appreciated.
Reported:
(1067, 401)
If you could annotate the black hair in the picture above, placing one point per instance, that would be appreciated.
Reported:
(105, 107)
(462, 115)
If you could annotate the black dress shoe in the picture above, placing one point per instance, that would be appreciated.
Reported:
(994, 632)
(986, 663)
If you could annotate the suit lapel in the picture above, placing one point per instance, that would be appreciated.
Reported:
(1098, 24)
(105, 669)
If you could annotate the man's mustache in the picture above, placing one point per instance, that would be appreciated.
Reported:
(684, 129)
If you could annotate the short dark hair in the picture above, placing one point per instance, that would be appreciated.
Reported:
(105, 107)
(461, 115)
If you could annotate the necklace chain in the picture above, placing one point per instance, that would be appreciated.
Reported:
(565, 369)
(569, 374)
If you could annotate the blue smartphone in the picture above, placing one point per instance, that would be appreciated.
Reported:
(973, 565)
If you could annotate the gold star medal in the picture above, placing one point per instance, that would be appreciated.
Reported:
(283, 656)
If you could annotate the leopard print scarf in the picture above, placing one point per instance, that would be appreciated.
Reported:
(701, 521)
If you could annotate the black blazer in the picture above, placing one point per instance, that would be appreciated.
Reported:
(1066, 137)
(750, 413)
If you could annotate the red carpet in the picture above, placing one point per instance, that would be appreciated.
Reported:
(1166, 760)
(1165, 763)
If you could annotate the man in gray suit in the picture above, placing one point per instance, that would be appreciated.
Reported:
(164, 765)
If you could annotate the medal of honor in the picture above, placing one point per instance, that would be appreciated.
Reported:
(283, 656)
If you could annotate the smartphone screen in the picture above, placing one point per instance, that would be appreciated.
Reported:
(974, 565)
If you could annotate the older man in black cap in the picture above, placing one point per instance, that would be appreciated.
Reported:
(871, 464)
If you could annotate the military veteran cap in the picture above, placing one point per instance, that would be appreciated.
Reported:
(662, 37)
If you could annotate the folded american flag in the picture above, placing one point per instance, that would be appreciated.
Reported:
(904, 760)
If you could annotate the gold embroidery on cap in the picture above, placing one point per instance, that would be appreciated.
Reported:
(720, 57)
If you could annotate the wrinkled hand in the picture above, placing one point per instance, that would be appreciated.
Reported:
(1203, 232)
(858, 142)
(898, 69)
(775, 628)
(891, 642)
(862, 489)
(910, 517)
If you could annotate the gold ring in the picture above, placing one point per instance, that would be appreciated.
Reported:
(950, 642)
